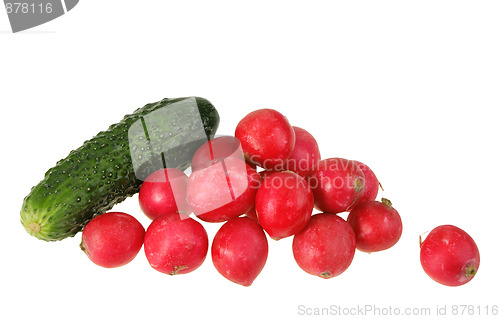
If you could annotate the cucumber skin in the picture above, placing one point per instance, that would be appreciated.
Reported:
(100, 174)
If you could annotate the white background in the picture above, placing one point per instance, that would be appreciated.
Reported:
(408, 87)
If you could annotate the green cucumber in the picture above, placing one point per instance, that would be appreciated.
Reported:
(111, 166)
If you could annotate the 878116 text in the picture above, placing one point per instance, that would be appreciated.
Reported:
(26, 8)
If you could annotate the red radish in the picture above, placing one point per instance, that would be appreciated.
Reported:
(449, 256)
(266, 137)
(325, 247)
(222, 191)
(112, 239)
(305, 153)
(239, 250)
(174, 245)
(265, 173)
(164, 193)
(377, 225)
(371, 184)
(337, 184)
(284, 204)
(215, 150)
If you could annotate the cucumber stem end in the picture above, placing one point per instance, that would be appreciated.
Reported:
(34, 227)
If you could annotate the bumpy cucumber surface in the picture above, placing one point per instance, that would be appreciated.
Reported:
(111, 166)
